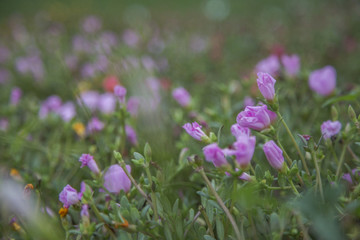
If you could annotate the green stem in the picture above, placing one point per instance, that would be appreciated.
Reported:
(123, 166)
(334, 154)
(289, 160)
(278, 188)
(294, 188)
(342, 158)
(352, 154)
(210, 227)
(123, 136)
(153, 195)
(98, 215)
(221, 203)
(318, 174)
(294, 142)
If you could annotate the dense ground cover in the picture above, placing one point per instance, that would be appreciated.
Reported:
(213, 121)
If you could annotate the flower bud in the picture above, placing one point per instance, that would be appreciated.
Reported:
(266, 84)
(182, 96)
(352, 114)
(334, 113)
(120, 92)
(194, 130)
(88, 160)
(274, 155)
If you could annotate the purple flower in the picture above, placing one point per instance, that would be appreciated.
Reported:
(291, 64)
(347, 177)
(194, 130)
(270, 65)
(88, 70)
(15, 96)
(257, 117)
(71, 61)
(4, 124)
(182, 96)
(323, 81)
(88, 160)
(107, 103)
(266, 84)
(68, 196)
(131, 135)
(329, 128)
(81, 44)
(4, 54)
(215, 155)
(90, 99)
(120, 92)
(248, 101)
(115, 179)
(91, 24)
(243, 150)
(95, 125)
(130, 38)
(67, 111)
(133, 106)
(51, 104)
(84, 211)
(4, 75)
(274, 155)
(148, 63)
(237, 130)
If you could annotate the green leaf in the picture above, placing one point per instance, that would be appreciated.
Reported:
(219, 133)
(175, 207)
(219, 227)
(208, 237)
(138, 156)
(167, 232)
(350, 97)
(215, 204)
(258, 172)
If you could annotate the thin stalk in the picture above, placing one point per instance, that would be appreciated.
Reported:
(318, 174)
(153, 195)
(352, 154)
(334, 154)
(342, 158)
(98, 215)
(278, 188)
(289, 160)
(122, 164)
(294, 188)
(294, 142)
(210, 227)
(221, 203)
(123, 136)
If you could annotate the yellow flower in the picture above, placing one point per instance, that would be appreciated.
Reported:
(16, 226)
(63, 212)
(14, 172)
(79, 128)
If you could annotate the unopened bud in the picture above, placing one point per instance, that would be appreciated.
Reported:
(334, 113)
(352, 114)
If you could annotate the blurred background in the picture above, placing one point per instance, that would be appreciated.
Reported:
(210, 47)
